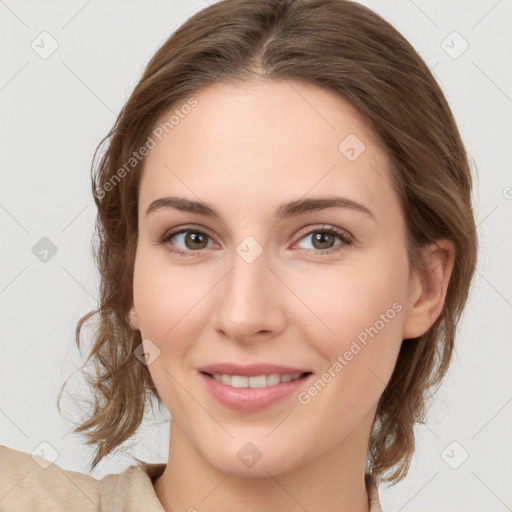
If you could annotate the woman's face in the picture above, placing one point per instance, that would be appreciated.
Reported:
(251, 276)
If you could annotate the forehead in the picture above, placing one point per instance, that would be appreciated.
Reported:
(263, 141)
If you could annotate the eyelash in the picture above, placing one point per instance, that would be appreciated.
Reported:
(345, 239)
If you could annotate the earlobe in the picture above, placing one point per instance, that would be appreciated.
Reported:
(428, 288)
(133, 319)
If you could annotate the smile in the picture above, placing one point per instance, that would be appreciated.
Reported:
(259, 381)
(255, 393)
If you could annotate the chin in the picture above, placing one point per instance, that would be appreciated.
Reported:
(253, 459)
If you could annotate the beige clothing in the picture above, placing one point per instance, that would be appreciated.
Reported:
(26, 486)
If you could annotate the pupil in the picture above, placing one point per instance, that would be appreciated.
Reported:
(195, 238)
(321, 236)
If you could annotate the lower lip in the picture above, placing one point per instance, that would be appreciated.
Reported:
(251, 399)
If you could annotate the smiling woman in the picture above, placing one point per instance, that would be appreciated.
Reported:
(285, 268)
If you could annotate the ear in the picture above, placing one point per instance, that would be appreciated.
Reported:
(427, 289)
(133, 319)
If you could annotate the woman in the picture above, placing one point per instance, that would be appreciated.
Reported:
(286, 243)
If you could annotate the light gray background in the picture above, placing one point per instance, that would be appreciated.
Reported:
(54, 112)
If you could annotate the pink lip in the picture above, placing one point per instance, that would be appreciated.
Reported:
(251, 370)
(251, 399)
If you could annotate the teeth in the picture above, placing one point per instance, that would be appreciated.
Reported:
(260, 381)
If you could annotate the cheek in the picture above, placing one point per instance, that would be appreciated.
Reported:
(360, 353)
(165, 297)
(168, 309)
(345, 301)
(357, 324)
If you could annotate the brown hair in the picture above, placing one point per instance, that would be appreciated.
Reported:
(338, 45)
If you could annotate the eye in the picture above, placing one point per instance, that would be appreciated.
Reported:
(322, 240)
(191, 240)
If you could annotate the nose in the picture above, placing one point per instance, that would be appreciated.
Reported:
(250, 301)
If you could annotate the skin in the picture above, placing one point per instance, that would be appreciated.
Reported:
(245, 150)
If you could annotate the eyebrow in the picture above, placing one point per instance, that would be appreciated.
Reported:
(287, 210)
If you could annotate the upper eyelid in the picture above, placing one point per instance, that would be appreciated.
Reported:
(325, 227)
(184, 229)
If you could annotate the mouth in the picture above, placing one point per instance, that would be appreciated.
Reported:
(252, 394)
(258, 381)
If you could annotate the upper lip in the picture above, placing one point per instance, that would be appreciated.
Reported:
(251, 370)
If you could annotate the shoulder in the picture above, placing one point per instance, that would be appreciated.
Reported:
(32, 483)
(27, 482)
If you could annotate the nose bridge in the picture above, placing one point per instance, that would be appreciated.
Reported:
(249, 298)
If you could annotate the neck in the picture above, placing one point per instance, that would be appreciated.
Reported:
(331, 482)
